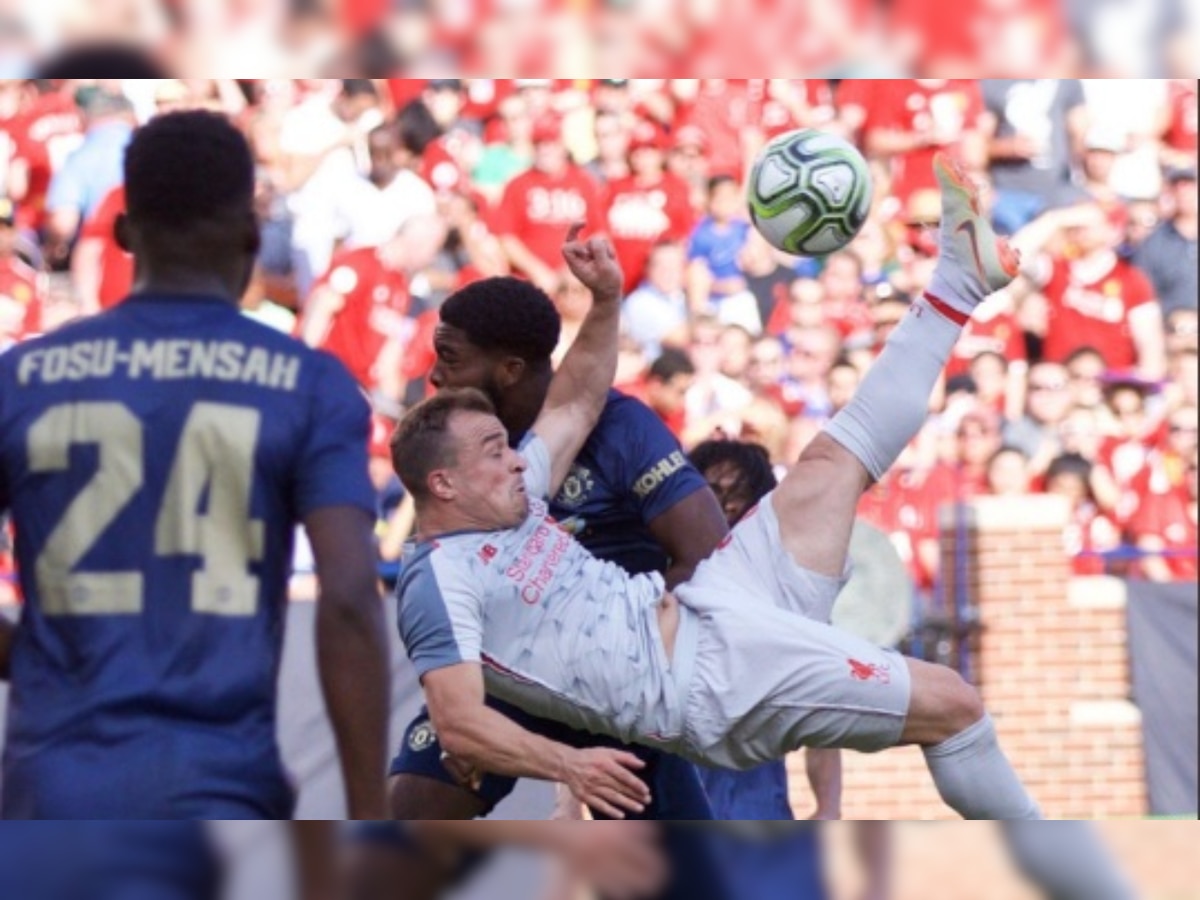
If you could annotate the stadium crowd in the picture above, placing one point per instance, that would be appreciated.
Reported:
(379, 198)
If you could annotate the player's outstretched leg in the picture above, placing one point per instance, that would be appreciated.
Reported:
(816, 504)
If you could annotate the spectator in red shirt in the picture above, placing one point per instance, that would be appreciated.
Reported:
(1088, 531)
(1167, 522)
(907, 121)
(1125, 453)
(539, 205)
(844, 303)
(359, 310)
(1179, 124)
(101, 272)
(1093, 297)
(21, 290)
(47, 130)
(648, 206)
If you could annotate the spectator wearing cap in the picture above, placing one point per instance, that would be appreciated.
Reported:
(1169, 256)
(1034, 131)
(539, 206)
(656, 313)
(21, 288)
(648, 206)
(89, 173)
(1102, 148)
(1092, 296)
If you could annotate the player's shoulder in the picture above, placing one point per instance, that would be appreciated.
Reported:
(624, 416)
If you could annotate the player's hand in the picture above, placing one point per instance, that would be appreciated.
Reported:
(594, 262)
(604, 779)
(464, 774)
(618, 861)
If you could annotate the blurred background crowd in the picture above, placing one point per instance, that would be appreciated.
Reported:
(380, 197)
(641, 38)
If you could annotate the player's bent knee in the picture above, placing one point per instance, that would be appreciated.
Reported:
(415, 797)
(942, 705)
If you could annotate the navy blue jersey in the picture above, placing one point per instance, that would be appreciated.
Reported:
(630, 471)
(156, 460)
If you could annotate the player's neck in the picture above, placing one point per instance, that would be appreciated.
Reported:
(180, 281)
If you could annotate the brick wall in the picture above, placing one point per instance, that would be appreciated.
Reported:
(1052, 665)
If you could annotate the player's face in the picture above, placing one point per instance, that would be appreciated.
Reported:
(726, 482)
(488, 474)
(460, 364)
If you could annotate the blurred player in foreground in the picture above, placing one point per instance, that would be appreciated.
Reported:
(156, 459)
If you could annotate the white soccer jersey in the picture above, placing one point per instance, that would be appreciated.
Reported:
(559, 632)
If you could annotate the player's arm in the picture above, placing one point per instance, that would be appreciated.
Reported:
(689, 532)
(873, 842)
(487, 741)
(352, 652)
(824, 771)
(580, 386)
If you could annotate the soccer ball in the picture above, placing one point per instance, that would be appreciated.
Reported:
(809, 192)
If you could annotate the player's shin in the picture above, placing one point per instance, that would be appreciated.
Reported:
(975, 778)
(1067, 861)
(893, 401)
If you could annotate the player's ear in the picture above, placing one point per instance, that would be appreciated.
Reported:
(440, 484)
(252, 234)
(510, 371)
(121, 232)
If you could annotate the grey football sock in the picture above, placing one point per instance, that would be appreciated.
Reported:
(974, 776)
(1067, 860)
(891, 404)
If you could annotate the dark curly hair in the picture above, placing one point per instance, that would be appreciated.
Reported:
(755, 475)
(508, 315)
(188, 167)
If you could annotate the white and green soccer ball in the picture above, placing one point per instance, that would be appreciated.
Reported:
(809, 192)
